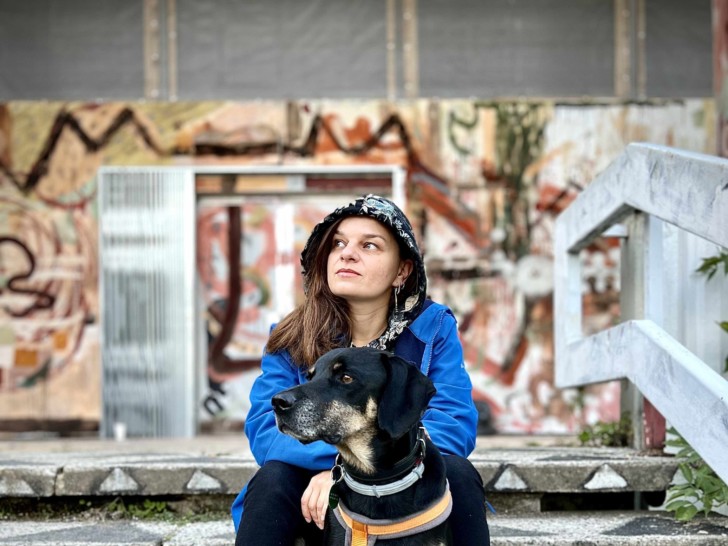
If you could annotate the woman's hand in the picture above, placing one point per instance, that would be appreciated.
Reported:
(315, 498)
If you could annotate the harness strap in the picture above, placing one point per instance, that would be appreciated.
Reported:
(360, 528)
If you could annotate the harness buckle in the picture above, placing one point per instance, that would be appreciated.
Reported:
(421, 440)
(337, 471)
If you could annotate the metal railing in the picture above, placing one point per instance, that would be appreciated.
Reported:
(647, 191)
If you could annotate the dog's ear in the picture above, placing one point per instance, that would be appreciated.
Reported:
(405, 396)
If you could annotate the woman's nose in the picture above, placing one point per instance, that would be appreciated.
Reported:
(348, 253)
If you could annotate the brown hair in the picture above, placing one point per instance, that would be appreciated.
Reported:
(321, 322)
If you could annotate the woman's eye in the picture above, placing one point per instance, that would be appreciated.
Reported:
(346, 379)
(339, 243)
(370, 246)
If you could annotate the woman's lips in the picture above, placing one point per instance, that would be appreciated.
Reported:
(347, 272)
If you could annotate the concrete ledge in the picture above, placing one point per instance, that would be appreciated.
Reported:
(154, 475)
(557, 529)
(573, 470)
(18, 479)
(525, 471)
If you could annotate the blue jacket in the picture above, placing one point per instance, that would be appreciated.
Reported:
(431, 341)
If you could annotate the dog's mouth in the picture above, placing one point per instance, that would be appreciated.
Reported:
(307, 437)
(333, 439)
(294, 432)
(285, 429)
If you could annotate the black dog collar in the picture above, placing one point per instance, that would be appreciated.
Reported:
(405, 473)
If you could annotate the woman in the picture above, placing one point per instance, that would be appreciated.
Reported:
(364, 285)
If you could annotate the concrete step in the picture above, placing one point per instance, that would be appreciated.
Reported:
(524, 479)
(40, 481)
(557, 529)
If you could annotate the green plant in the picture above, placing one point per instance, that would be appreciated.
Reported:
(613, 434)
(147, 509)
(711, 265)
(709, 268)
(702, 490)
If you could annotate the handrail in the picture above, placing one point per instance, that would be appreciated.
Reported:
(689, 191)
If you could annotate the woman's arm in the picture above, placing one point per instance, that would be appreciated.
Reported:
(266, 441)
(451, 418)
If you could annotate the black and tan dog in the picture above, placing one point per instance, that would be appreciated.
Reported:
(390, 479)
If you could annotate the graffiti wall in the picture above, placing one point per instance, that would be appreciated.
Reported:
(485, 181)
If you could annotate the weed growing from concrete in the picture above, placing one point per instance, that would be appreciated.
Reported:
(173, 509)
(701, 489)
(612, 434)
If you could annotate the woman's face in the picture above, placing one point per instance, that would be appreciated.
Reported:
(364, 262)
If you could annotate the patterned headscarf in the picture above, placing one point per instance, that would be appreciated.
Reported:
(386, 212)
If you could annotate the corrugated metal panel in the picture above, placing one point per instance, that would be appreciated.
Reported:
(73, 49)
(79, 49)
(146, 240)
(515, 47)
(679, 46)
(283, 49)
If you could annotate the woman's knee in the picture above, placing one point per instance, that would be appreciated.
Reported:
(461, 472)
(468, 519)
(274, 471)
(278, 479)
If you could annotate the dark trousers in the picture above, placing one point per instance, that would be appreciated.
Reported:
(272, 506)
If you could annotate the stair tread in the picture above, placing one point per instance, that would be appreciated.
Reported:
(551, 528)
(555, 469)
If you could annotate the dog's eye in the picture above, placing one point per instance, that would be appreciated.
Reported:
(309, 375)
(346, 379)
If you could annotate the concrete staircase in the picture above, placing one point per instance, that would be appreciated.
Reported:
(85, 493)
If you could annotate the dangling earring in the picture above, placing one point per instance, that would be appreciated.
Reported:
(397, 313)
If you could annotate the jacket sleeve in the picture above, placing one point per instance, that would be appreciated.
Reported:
(266, 441)
(451, 418)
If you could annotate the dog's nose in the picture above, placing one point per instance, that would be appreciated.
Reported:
(283, 401)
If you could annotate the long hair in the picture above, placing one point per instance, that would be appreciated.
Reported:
(321, 322)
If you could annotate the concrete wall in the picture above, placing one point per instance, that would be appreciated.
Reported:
(485, 181)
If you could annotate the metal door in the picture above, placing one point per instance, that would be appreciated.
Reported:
(147, 253)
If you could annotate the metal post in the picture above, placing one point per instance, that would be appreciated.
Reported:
(410, 50)
(391, 50)
(152, 51)
(160, 49)
(630, 76)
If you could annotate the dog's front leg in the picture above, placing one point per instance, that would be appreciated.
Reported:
(334, 533)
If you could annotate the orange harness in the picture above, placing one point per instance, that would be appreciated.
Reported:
(362, 531)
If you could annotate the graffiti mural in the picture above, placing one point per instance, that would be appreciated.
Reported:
(265, 237)
(485, 181)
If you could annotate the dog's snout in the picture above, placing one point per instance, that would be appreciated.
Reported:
(283, 401)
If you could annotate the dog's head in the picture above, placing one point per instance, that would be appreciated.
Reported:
(353, 395)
